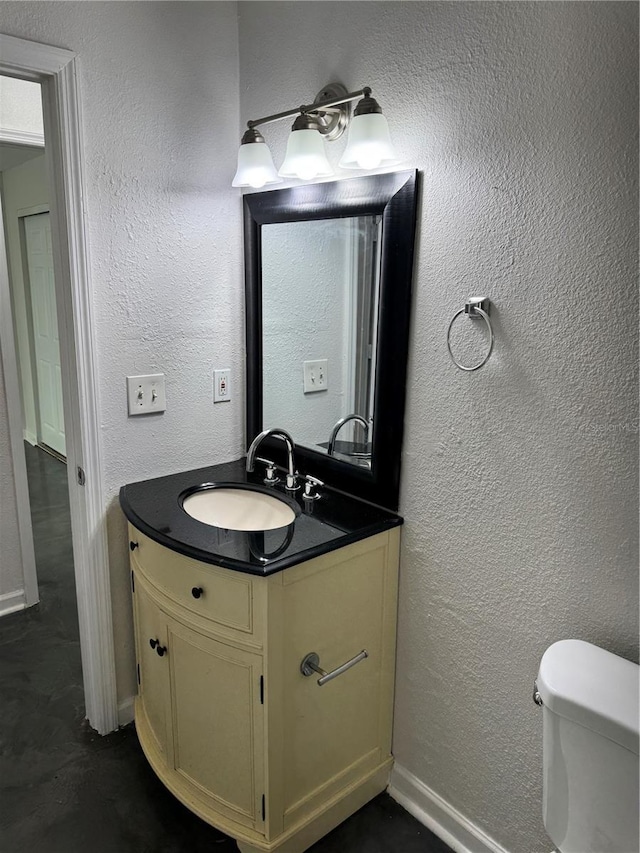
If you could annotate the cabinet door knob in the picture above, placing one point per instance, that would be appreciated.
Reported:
(155, 644)
(133, 546)
(197, 591)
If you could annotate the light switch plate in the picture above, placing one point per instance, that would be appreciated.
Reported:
(315, 375)
(222, 385)
(146, 394)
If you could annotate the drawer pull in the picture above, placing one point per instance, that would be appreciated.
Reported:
(155, 644)
(311, 663)
(197, 591)
(133, 546)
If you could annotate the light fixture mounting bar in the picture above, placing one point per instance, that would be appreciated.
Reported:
(319, 106)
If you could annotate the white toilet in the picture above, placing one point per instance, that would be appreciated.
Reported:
(590, 746)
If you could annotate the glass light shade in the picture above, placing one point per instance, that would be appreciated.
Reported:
(369, 144)
(255, 166)
(305, 157)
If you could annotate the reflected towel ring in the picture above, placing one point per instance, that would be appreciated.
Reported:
(256, 544)
(475, 307)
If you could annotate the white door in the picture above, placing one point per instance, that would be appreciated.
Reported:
(37, 231)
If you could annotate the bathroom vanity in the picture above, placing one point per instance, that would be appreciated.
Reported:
(230, 712)
(266, 654)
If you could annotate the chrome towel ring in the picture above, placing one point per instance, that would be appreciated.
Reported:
(475, 307)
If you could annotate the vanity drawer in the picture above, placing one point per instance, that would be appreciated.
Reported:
(213, 593)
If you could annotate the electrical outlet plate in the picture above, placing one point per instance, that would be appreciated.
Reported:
(315, 375)
(146, 394)
(222, 385)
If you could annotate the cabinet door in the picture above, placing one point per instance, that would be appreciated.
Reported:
(153, 673)
(217, 722)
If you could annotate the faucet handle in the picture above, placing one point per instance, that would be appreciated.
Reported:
(271, 473)
(309, 488)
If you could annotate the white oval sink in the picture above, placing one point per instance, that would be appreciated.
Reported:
(238, 509)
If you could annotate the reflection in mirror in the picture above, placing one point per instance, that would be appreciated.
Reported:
(320, 298)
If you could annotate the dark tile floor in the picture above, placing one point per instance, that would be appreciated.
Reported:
(65, 789)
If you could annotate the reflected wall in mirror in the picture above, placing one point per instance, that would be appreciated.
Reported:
(319, 331)
(328, 270)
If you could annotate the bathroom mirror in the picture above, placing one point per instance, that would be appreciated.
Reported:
(328, 271)
(319, 343)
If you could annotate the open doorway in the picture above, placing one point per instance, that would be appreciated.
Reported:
(25, 195)
(63, 422)
(49, 636)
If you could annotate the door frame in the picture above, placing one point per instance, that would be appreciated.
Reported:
(56, 70)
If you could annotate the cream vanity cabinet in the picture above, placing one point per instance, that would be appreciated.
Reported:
(224, 714)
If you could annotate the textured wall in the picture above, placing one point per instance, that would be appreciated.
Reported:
(20, 105)
(159, 90)
(24, 186)
(519, 486)
(10, 552)
(520, 481)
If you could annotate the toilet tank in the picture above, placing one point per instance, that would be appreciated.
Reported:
(590, 748)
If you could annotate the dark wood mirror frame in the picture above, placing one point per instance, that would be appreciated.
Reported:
(394, 196)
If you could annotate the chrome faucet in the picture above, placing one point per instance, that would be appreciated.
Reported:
(292, 483)
(338, 427)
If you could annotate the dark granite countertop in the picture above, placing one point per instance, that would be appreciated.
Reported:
(334, 520)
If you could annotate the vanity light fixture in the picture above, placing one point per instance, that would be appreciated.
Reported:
(305, 158)
(369, 144)
(327, 118)
(255, 163)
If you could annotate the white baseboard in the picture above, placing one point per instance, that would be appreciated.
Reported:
(125, 711)
(30, 438)
(438, 815)
(11, 602)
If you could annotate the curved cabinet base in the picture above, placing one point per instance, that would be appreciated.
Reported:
(183, 792)
(225, 716)
(297, 839)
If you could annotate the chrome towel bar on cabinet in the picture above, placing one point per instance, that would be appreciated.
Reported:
(311, 663)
